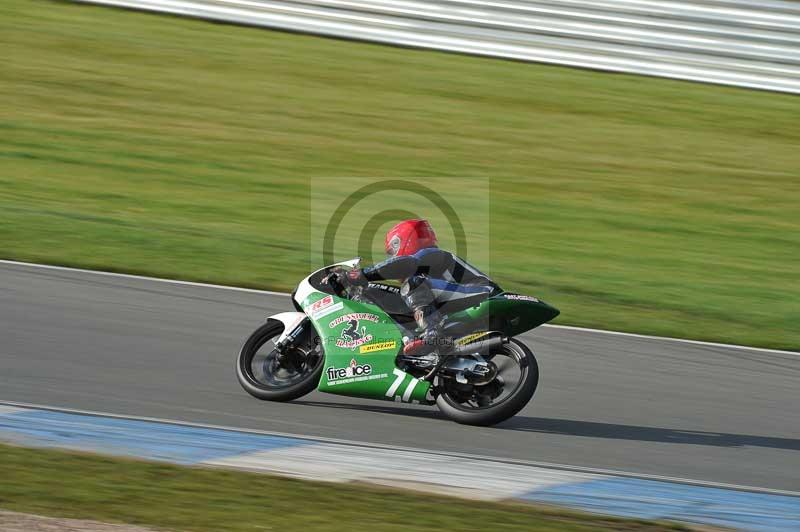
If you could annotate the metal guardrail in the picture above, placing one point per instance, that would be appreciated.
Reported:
(753, 44)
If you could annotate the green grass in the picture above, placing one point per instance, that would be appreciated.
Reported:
(58, 483)
(151, 144)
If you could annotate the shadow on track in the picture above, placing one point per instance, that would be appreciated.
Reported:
(588, 429)
(387, 408)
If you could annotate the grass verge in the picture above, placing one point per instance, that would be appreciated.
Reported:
(83, 486)
(180, 148)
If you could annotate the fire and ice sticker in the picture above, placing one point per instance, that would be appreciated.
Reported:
(355, 372)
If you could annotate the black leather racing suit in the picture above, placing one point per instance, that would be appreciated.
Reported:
(434, 282)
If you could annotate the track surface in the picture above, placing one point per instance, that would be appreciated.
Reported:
(145, 348)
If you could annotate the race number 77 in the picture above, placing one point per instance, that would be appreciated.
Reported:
(398, 380)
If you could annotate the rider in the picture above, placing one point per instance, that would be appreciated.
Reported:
(431, 279)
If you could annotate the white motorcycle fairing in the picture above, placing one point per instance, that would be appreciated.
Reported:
(291, 320)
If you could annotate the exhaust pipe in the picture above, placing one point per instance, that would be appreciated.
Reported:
(481, 345)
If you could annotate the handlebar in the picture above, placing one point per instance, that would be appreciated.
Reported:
(341, 289)
(332, 280)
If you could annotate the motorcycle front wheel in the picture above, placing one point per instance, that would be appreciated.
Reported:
(266, 375)
(515, 382)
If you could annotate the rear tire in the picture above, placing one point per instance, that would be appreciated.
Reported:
(270, 392)
(509, 407)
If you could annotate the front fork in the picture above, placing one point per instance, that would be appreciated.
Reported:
(289, 343)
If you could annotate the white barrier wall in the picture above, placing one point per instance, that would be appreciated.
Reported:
(745, 43)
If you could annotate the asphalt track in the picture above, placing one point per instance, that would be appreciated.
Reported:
(145, 348)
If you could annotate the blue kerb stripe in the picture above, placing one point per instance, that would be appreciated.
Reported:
(143, 439)
(652, 499)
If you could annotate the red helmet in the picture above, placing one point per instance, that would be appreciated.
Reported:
(408, 237)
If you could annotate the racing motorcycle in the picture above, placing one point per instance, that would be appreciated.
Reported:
(348, 340)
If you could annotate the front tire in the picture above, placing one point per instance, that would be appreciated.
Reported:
(260, 378)
(459, 411)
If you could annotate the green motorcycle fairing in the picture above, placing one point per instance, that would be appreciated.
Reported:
(361, 341)
(509, 313)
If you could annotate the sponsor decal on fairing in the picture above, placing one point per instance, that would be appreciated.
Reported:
(358, 316)
(471, 337)
(320, 304)
(378, 346)
(518, 297)
(354, 334)
(355, 372)
(352, 344)
(329, 310)
(323, 307)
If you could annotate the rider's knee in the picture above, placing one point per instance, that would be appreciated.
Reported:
(416, 292)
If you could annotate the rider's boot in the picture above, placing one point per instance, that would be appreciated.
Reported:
(419, 353)
(421, 345)
(429, 339)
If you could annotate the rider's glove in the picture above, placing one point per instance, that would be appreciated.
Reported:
(356, 277)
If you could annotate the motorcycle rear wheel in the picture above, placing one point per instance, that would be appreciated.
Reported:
(460, 411)
(266, 379)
